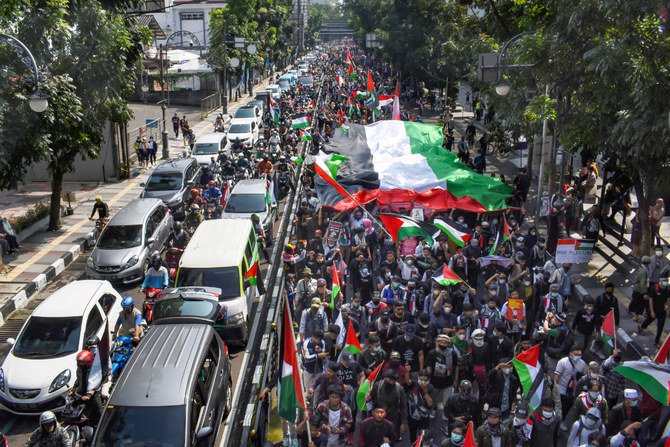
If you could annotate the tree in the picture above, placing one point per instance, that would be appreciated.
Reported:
(316, 19)
(89, 55)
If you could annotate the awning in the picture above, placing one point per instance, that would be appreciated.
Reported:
(149, 21)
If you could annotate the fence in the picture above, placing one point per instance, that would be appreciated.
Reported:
(152, 128)
(209, 103)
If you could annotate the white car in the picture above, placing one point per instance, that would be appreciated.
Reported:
(247, 132)
(247, 115)
(275, 91)
(41, 366)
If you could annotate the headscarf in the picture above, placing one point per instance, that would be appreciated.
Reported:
(367, 224)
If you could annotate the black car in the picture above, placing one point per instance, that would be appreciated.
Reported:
(171, 182)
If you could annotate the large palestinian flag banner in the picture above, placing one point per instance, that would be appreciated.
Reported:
(401, 161)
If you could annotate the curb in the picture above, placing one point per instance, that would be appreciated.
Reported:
(21, 299)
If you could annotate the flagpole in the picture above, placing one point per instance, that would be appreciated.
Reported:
(302, 385)
(612, 310)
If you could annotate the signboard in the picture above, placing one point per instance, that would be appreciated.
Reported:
(574, 251)
(151, 122)
(417, 214)
(515, 308)
(488, 67)
(408, 246)
(334, 229)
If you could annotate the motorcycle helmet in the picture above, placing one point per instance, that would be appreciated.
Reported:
(195, 207)
(212, 183)
(156, 259)
(128, 301)
(92, 341)
(48, 421)
(194, 191)
(85, 359)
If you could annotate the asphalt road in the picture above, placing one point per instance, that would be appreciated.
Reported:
(19, 428)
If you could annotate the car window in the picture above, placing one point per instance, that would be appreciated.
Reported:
(93, 322)
(107, 302)
(248, 253)
(152, 224)
(190, 172)
(197, 408)
(208, 369)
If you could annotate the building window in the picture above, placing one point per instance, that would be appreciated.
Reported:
(154, 5)
(192, 16)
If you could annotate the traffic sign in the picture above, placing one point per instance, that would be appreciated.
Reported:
(239, 42)
(234, 62)
(251, 49)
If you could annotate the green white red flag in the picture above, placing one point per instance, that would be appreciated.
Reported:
(351, 344)
(446, 276)
(653, 378)
(454, 230)
(502, 237)
(367, 386)
(348, 61)
(469, 440)
(663, 355)
(301, 122)
(291, 397)
(371, 83)
(336, 287)
(608, 331)
(402, 227)
(327, 166)
(531, 375)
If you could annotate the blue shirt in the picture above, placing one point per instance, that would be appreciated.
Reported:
(157, 279)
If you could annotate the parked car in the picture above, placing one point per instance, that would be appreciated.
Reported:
(210, 145)
(132, 234)
(247, 115)
(188, 302)
(274, 90)
(246, 132)
(171, 182)
(41, 365)
(261, 104)
(175, 390)
(249, 197)
(306, 80)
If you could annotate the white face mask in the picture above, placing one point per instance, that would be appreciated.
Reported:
(659, 253)
(461, 336)
(519, 421)
(547, 414)
(478, 342)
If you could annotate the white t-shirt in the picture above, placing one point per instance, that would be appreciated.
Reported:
(567, 371)
(334, 421)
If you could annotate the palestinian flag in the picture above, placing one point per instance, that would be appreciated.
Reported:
(327, 167)
(399, 161)
(351, 72)
(653, 378)
(336, 287)
(351, 107)
(402, 227)
(252, 273)
(351, 344)
(446, 276)
(385, 100)
(371, 83)
(531, 374)
(275, 112)
(502, 237)
(608, 331)
(395, 116)
(299, 160)
(301, 122)
(348, 60)
(340, 117)
(290, 392)
(469, 440)
(305, 136)
(456, 232)
(663, 355)
(367, 386)
(584, 245)
(419, 440)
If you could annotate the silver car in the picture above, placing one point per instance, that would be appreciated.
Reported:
(122, 251)
(249, 197)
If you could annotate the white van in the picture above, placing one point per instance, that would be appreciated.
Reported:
(210, 145)
(220, 254)
(274, 90)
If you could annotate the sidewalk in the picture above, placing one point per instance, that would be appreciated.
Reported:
(44, 255)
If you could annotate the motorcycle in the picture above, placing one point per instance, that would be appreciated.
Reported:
(123, 347)
(151, 294)
(172, 257)
(211, 210)
(76, 423)
(283, 184)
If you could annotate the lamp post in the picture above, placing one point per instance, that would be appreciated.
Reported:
(164, 135)
(37, 99)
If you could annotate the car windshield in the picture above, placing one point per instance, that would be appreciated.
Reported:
(306, 80)
(245, 203)
(45, 337)
(184, 307)
(116, 237)
(142, 426)
(205, 148)
(245, 113)
(284, 83)
(225, 278)
(169, 181)
(240, 128)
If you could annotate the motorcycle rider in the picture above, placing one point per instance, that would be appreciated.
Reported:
(180, 239)
(157, 275)
(228, 170)
(218, 123)
(264, 166)
(193, 217)
(49, 434)
(212, 193)
(99, 371)
(87, 385)
(130, 319)
(213, 166)
(194, 197)
(206, 177)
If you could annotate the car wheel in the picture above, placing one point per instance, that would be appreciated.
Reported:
(229, 400)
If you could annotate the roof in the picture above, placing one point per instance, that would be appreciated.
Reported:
(70, 300)
(213, 137)
(251, 186)
(163, 368)
(149, 21)
(217, 243)
(174, 165)
(135, 212)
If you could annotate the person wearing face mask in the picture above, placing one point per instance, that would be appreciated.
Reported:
(372, 355)
(391, 396)
(415, 298)
(563, 278)
(526, 291)
(538, 254)
(374, 307)
(489, 314)
(394, 291)
(421, 405)
(463, 406)
(467, 319)
(408, 269)
(358, 314)
(457, 436)
(624, 413)
(513, 313)
(440, 251)
(424, 259)
(493, 433)
(592, 398)
(442, 364)
(390, 263)
(586, 425)
(520, 426)
(472, 253)
(658, 299)
(443, 321)
(501, 345)
(410, 348)
(481, 360)
(568, 371)
(424, 333)
(545, 425)
(552, 302)
(659, 266)
(361, 276)
(464, 354)
(520, 271)
(530, 237)
(584, 324)
(592, 373)
(640, 287)
(386, 330)
(459, 263)
(395, 363)
(555, 337)
(499, 282)
(605, 302)
(502, 387)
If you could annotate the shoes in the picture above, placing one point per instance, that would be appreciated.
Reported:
(11, 252)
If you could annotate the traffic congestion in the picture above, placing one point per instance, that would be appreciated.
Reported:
(327, 270)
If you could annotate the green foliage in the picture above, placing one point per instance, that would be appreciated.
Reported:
(33, 215)
(316, 19)
(330, 12)
(540, 108)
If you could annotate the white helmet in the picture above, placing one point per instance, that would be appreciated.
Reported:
(47, 418)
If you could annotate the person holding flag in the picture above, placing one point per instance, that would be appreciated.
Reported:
(545, 425)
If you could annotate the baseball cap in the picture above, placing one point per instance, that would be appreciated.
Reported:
(410, 328)
(316, 302)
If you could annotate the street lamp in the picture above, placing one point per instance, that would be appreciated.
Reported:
(37, 99)
(502, 87)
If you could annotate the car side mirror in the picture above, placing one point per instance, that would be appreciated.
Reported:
(204, 432)
(151, 240)
(11, 341)
(143, 184)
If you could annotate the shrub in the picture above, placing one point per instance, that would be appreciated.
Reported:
(34, 214)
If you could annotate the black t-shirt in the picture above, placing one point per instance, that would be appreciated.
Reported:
(350, 374)
(409, 350)
(442, 375)
(401, 322)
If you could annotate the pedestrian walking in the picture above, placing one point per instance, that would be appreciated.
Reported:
(175, 125)
(656, 214)
(143, 153)
(152, 149)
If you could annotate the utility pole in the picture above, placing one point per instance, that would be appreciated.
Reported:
(164, 135)
(541, 170)
(224, 97)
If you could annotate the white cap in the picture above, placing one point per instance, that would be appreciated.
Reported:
(477, 333)
(630, 393)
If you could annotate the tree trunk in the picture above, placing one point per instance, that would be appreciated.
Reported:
(56, 189)
(643, 212)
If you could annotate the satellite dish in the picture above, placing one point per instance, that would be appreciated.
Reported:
(251, 48)
(234, 62)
